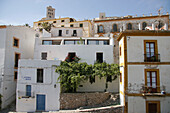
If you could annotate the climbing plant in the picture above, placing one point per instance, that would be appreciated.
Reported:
(73, 73)
(47, 26)
(109, 71)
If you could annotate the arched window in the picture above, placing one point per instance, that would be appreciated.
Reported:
(144, 24)
(100, 29)
(129, 26)
(115, 28)
(160, 24)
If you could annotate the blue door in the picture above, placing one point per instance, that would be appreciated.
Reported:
(40, 103)
(28, 90)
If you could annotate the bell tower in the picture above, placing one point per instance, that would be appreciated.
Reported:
(50, 13)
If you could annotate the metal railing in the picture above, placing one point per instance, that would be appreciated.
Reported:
(151, 58)
(151, 89)
(143, 89)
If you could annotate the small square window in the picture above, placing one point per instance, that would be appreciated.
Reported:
(62, 25)
(15, 42)
(81, 25)
(62, 20)
(71, 25)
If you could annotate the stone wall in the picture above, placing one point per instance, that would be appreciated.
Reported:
(76, 100)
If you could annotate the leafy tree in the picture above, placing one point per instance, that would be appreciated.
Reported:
(73, 73)
(47, 26)
(108, 71)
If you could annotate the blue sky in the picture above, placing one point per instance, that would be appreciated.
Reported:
(19, 12)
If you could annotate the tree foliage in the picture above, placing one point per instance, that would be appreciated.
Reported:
(47, 26)
(73, 73)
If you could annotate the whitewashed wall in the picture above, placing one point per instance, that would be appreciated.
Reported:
(138, 104)
(121, 63)
(87, 53)
(26, 48)
(28, 69)
(135, 45)
(136, 76)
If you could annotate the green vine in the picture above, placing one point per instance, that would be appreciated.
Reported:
(73, 73)
(47, 26)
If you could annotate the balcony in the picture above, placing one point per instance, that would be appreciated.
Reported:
(22, 94)
(151, 58)
(153, 91)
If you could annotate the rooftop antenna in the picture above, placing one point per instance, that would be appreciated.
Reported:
(159, 10)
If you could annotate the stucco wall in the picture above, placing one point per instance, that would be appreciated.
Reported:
(26, 48)
(121, 63)
(138, 104)
(99, 85)
(136, 77)
(50, 88)
(135, 45)
(87, 53)
(2, 47)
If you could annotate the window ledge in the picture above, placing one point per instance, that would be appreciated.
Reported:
(153, 94)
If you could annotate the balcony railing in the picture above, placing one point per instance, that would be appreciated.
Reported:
(150, 91)
(22, 94)
(146, 90)
(151, 58)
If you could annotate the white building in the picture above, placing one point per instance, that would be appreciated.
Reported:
(145, 71)
(16, 42)
(37, 87)
(89, 49)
